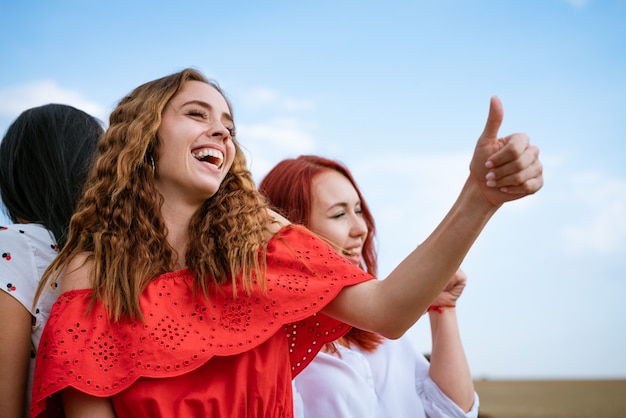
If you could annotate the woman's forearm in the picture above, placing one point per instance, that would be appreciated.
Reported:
(415, 283)
(449, 368)
(392, 306)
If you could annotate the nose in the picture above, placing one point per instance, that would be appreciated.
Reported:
(218, 130)
(358, 228)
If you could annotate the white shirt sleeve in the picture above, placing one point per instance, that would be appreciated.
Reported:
(26, 250)
(18, 269)
(436, 403)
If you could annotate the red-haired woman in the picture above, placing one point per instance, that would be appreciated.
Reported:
(363, 374)
(184, 295)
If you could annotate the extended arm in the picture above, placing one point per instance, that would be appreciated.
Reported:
(502, 169)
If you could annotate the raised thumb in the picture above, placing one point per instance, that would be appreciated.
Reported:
(494, 120)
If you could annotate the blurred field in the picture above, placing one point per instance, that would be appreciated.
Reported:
(552, 398)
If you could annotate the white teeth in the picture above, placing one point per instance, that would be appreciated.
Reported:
(210, 155)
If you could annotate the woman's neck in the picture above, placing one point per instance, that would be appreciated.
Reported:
(177, 221)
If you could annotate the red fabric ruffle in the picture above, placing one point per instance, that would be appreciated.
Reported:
(182, 330)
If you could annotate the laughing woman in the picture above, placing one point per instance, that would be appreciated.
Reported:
(362, 374)
(184, 295)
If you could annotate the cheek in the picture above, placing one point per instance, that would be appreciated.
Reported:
(331, 229)
(231, 152)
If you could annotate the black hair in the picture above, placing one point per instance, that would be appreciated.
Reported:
(45, 157)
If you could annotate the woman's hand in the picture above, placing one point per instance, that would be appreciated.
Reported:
(506, 168)
(453, 290)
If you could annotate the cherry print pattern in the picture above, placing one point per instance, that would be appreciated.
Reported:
(25, 250)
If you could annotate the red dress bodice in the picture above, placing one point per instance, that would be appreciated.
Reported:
(224, 356)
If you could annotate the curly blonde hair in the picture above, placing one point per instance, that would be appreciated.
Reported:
(119, 222)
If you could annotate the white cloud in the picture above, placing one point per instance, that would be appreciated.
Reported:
(282, 128)
(268, 142)
(14, 100)
(263, 97)
(408, 194)
(600, 227)
(287, 134)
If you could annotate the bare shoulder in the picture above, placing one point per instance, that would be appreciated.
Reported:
(77, 274)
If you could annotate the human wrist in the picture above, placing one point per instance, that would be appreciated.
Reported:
(473, 191)
(439, 308)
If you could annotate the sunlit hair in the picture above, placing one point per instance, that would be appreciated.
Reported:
(119, 220)
(288, 186)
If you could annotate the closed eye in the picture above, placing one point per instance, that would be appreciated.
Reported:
(196, 113)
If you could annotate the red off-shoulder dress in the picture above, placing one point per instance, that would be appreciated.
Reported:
(197, 357)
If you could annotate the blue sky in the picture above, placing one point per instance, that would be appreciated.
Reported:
(399, 91)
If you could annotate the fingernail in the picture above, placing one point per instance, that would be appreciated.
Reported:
(489, 164)
(490, 175)
(491, 183)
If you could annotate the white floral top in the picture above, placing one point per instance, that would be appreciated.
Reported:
(26, 250)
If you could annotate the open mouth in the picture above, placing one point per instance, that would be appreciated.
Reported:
(209, 155)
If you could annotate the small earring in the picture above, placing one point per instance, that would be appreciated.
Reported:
(151, 162)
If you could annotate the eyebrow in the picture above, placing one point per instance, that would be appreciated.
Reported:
(206, 106)
(343, 205)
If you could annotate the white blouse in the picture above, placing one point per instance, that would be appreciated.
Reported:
(392, 381)
(27, 250)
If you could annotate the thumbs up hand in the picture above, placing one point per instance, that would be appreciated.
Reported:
(505, 168)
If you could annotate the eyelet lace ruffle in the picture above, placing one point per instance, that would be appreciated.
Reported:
(182, 330)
